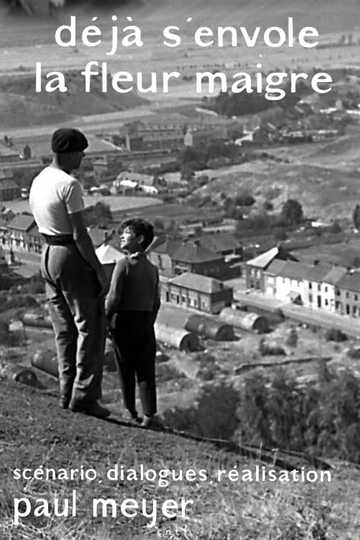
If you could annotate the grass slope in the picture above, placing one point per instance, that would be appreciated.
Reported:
(328, 15)
(34, 433)
(21, 106)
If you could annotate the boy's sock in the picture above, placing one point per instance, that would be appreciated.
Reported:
(147, 421)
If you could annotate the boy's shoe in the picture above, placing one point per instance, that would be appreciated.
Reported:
(151, 422)
(92, 409)
(64, 402)
(132, 417)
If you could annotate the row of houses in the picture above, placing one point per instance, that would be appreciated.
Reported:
(187, 289)
(21, 234)
(206, 255)
(188, 282)
(181, 284)
(318, 286)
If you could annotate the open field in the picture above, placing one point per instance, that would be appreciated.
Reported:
(324, 177)
(117, 202)
(19, 52)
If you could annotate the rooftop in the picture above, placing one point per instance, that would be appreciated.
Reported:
(198, 282)
(335, 274)
(166, 246)
(22, 222)
(264, 259)
(220, 242)
(299, 270)
(194, 252)
(350, 281)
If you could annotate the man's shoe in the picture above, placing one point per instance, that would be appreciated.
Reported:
(132, 417)
(92, 409)
(151, 422)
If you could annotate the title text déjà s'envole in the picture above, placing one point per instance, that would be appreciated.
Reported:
(124, 37)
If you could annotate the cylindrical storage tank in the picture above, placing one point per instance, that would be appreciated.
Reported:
(177, 337)
(34, 319)
(173, 316)
(210, 328)
(20, 374)
(251, 322)
(46, 361)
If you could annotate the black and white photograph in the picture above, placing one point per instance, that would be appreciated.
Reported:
(179, 270)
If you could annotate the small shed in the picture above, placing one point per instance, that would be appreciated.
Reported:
(210, 328)
(173, 316)
(176, 337)
(251, 322)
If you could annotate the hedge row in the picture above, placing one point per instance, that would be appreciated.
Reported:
(321, 418)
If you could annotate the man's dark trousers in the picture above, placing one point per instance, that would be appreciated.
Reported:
(135, 340)
(77, 314)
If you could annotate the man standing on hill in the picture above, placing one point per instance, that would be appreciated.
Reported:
(74, 278)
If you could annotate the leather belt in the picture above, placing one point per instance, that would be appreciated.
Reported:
(58, 239)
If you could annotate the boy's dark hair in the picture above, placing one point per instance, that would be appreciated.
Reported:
(140, 227)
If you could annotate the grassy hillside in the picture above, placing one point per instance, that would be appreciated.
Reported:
(21, 106)
(323, 191)
(328, 15)
(35, 433)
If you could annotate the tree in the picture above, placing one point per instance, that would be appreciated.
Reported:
(292, 212)
(356, 216)
(244, 199)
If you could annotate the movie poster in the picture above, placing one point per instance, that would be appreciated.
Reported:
(226, 135)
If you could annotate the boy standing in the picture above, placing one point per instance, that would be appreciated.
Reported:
(132, 305)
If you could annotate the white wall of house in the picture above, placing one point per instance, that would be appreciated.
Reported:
(328, 297)
(283, 288)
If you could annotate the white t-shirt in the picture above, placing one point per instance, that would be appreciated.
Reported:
(54, 195)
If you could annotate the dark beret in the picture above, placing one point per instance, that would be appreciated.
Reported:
(68, 140)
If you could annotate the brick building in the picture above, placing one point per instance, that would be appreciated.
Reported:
(174, 257)
(198, 292)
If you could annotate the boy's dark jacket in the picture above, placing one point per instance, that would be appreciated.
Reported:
(134, 286)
